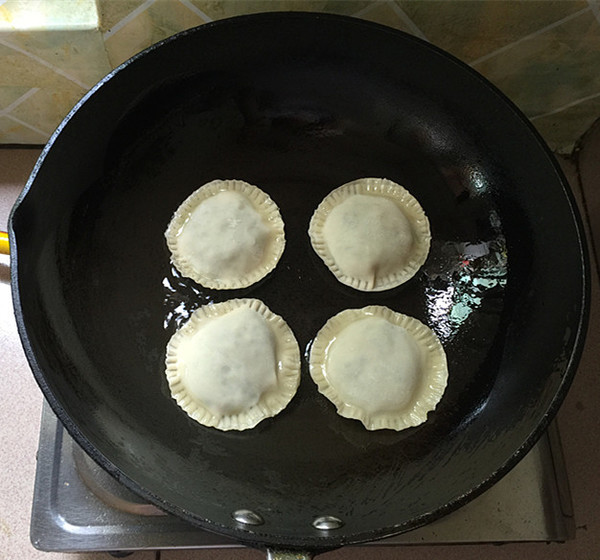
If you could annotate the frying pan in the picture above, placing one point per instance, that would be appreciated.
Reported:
(299, 104)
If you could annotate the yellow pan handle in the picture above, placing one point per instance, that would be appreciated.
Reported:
(4, 248)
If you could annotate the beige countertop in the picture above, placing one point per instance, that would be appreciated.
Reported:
(578, 419)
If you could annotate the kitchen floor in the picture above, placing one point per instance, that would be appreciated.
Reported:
(578, 419)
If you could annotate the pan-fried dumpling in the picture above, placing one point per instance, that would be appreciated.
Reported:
(226, 235)
(371, 233)
(386, 369)
(233, 364)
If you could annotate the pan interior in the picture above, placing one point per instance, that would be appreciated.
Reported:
(299, 105)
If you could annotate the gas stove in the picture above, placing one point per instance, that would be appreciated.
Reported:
(79, 507)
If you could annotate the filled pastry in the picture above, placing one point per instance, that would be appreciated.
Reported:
(371, 233)
(226, 235)
(386, 369)
(233, 364)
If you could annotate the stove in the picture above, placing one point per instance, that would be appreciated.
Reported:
(79, 507)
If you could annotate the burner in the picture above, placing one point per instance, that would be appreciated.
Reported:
(107, 489)
(79, 507)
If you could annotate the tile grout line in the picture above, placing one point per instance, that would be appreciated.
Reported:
(18, 101)
(409, 22)
(367, 9)
(196, 10)
(595, 7)
(398, 11)
(44, 63)
(46, 135)
(130, 16)
(530, 36)
(567, 106)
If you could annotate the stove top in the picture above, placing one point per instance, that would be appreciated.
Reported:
(78, 507)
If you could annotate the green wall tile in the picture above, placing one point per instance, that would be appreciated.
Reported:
(47, 107)
(549, 70)
(18, 69)
(561, 130)
(159, 21)
(219, 9)
(471, 29)
(12, 132)
(113, 11)
(385, 14)
(10, 94)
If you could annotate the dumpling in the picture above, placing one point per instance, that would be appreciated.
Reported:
(386, 369)
(233, 364)
(226, 235)
(371, 233)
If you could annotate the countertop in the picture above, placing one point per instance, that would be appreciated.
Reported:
(578, 419)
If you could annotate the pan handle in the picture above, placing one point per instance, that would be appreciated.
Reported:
(288, 555)
(4, 247)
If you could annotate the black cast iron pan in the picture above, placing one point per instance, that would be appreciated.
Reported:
(298, 104)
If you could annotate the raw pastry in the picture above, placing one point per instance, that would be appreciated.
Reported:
(371, 233)
(226, 235)
(383, 368)
(233, 364)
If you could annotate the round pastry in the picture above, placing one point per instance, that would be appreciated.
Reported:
(233, 364)
(226, 235)
(386, 369)
(371, 233)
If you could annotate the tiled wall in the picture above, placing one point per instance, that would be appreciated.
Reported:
(545, 55)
